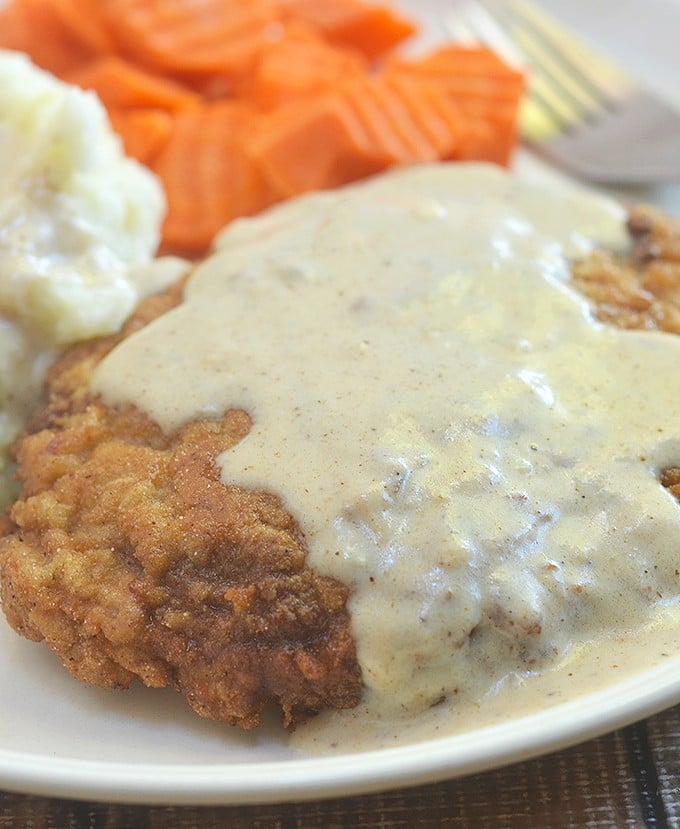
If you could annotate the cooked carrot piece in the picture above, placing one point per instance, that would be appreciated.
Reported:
(474, 138)
(491, 140)
(209, 177)
(386, 142)
(312, 145)
(196, 36)
(371, 29)
(432, 109)
(33, 26)
(301, 64)
(144, 132)
(453, 59)
(409, 120)
(477, 138)
(84, 21)
(467, 72)
(470, 72)
(121, 84)
(15, 26)
(485, 91)
(391, 101)
(449, 112)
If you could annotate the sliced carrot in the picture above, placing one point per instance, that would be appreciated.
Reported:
(300, 105)
(409, 129)
(209, 177)
(213, 86)
(489, 126)
(195, 36)
(450, 114)
(386, 142)
(430, 107)
(312, 145)
(485, 91)
(121, 84)
(301, 64)
(33, 26)
(455, 59)
(144, 132)
(407, 119)
(85, 22)
(15, 27)
(466, 72)
(371, 29)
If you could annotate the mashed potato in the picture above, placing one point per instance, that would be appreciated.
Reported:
(79, 225)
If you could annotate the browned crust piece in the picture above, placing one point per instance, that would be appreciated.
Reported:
(641, 290)
(131, 559)
(670, 478)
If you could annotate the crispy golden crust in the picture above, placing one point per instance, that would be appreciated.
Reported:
(131, 559)
(641, 290)
(670, 478)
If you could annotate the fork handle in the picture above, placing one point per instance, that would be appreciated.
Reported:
(651, 155)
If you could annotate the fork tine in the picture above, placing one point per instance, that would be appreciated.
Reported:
(565, 58)
(543, 112)
(552, 67)
(595, 122)
(561, 92)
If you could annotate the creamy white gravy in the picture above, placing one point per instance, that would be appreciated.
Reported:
(461, 442)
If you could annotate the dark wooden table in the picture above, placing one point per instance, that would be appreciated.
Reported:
(624, 780)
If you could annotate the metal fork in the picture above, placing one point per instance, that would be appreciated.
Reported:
(582, 112)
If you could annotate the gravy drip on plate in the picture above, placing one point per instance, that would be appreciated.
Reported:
(461, 442)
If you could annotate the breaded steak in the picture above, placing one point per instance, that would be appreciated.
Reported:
(131, 559)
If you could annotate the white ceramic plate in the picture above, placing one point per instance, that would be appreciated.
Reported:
(60, 737)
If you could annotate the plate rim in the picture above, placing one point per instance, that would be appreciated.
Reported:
(522, 738)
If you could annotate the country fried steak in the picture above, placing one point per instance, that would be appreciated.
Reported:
(132, 560)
